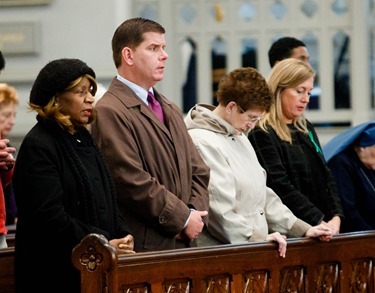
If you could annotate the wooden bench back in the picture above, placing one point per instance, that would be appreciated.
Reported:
(345, 264)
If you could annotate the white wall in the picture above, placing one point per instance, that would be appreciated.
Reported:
(68, 28)
(84, 29)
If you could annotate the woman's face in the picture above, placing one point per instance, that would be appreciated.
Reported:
(78, 102)
(7, 118)
(294, 100)
(244, 120)
(367, 156)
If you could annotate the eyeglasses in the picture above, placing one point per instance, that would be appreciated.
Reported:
(252, 119)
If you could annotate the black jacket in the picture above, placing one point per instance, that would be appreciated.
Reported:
(63, 192)
(298, 174)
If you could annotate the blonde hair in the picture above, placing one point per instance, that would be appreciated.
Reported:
(8, 95)
(287, 73)
(52, 110)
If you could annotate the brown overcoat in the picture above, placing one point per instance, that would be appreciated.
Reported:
(158, 173)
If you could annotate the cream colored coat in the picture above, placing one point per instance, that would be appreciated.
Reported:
(242, 208)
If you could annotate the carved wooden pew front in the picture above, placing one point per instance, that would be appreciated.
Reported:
(345, 264)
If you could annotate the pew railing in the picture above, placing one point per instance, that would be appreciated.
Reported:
(345, 264)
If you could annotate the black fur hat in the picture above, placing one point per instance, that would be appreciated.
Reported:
(55, 77)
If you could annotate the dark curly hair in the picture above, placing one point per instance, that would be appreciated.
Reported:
(247, 87)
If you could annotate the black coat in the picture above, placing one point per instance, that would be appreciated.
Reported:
(63, 192)
(298, 174)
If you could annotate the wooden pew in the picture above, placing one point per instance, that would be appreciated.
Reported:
(10, 237)
(11, 229)
(7, 284)
(345, 264)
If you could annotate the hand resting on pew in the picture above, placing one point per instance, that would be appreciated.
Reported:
(124, 245)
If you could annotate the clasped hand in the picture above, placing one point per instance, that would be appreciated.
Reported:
(124, 245)
(6, 155)
(195, 225)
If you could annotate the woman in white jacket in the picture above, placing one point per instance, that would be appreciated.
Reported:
(242, 208)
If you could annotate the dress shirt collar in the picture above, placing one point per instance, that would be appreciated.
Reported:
(139, 91)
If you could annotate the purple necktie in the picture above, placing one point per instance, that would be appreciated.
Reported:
(155, 106)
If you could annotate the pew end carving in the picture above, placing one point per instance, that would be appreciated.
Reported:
(97, 261)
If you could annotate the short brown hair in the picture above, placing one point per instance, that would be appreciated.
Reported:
(130, 34)
(247, 87)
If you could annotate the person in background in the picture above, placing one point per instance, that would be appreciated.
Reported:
(242, 207)
(2, 61)
(62, 186)
(351, 157)
(160, 178)
(8, 109)
(288, 47)
(288, 148)
(6, 165)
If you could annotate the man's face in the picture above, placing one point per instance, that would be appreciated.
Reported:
(301, 54)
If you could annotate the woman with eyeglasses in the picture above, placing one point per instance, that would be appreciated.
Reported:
(288, 148)
(241, 208)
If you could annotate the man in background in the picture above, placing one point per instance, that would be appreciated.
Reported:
(288, 47)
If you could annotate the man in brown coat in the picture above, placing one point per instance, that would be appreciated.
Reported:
(161, 180)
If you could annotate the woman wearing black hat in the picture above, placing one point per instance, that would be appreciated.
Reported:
(351, 158)
(62, 186)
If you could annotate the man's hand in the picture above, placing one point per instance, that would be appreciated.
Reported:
(195, 225)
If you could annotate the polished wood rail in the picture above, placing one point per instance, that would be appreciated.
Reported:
(345, 264)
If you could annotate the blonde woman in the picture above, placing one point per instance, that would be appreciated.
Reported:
(288, 147)
(242, 209)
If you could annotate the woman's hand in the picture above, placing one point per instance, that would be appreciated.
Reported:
(281, 240)
(334, 224)
(124, 245)
(321, 231)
